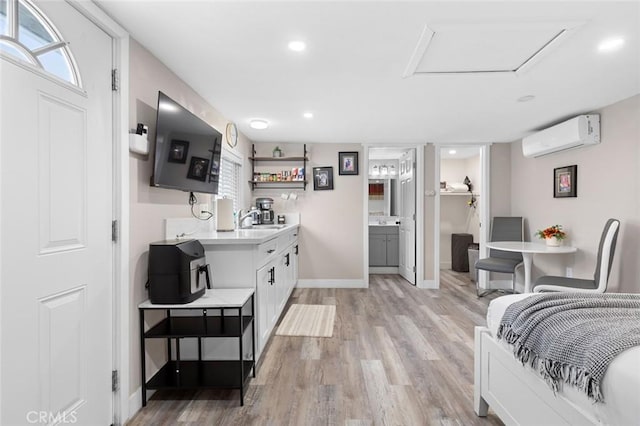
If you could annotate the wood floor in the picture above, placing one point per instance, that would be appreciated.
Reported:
(398, 356)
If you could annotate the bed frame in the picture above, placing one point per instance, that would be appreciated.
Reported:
(515, 393)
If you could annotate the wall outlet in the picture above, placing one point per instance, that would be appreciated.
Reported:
(569, 272)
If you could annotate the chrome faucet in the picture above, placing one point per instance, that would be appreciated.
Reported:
(253, 213)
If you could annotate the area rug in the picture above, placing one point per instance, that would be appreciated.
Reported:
(308, 320)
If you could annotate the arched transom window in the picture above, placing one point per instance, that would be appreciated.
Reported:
(26, 34)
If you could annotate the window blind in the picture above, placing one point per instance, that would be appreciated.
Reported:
(229, 185)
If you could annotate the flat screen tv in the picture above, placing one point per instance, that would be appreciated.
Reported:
(187, 151)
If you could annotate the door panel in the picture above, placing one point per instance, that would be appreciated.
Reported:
(55, 219)
(62, 174)
(407, 235)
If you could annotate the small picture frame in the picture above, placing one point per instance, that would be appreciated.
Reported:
(198, 169)
(178, 151)
(565, 182)
(322, 178)
(348, 163)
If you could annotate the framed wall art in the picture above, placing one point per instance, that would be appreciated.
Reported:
(322, 178)
(565, 182)
(348, 163)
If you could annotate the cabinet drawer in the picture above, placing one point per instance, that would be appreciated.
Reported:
(383, 230)
(267, 251)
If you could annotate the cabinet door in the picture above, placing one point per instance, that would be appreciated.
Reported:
(377, 250)
(393, 248)
(265, 306)
(282, 283)
(294, 260)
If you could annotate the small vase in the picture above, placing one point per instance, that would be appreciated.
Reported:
(553, 242)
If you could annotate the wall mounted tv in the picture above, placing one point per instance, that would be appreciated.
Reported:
(187, 152)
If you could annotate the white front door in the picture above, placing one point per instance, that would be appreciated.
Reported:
(55, 216)
(408, 217)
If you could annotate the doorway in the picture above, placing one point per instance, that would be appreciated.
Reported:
(391, 209)
(462, 173)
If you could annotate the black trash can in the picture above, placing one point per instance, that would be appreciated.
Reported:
(460, 252)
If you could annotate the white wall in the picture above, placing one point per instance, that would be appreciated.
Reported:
(608, 186)
(149, 206)
(331, 220)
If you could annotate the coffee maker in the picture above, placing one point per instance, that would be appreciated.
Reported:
(266, 214)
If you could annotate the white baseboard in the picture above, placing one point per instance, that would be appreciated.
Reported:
(135, 402)
(384, 270)
(445, 265)
(427, 284)
(331, 283)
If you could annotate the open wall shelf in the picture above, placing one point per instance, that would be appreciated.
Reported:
(256, 183)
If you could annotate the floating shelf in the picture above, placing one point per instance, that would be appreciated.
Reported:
(278, 159)
(278, 184)
(467, 194)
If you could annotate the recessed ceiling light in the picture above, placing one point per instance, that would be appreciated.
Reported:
(297, 45)
(526, 98)
(308, 115)
(259, 124)
(611, 44)
(452, 151)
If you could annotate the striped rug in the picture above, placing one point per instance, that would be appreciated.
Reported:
(308, 320)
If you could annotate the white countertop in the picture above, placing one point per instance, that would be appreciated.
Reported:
(212, 298)
(241, 236)
(384, 224)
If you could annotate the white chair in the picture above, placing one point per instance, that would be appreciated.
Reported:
(502, 229)
(598, 284)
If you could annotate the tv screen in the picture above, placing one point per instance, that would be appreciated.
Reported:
(187, 152)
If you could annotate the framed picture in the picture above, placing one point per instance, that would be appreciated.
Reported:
(198, 169)
(565, 182)
(178, 151)
(348, 163)
(322, 178)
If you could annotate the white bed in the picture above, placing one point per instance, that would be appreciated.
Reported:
(519, 396)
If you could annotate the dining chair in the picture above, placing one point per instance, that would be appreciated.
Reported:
(598, 284)
(502, 229)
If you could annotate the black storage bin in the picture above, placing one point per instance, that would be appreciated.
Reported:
(459, 252)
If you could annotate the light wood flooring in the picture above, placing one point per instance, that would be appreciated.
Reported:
(398, 356)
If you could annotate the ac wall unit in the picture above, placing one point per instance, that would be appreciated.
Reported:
(576, 132)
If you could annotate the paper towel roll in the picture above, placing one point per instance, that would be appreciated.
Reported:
(224, 214)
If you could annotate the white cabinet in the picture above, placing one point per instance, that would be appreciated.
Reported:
(266, 301)
(270, 267)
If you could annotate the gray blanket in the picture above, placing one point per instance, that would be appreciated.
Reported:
(571, 337)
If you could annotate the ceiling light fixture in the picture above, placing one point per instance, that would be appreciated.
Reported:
(526, 98)
(297, 45)
(308, 115)
(611, 44)
(452, 151)
(259, 124)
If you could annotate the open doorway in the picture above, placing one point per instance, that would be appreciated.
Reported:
(460, 212)
(392, 212)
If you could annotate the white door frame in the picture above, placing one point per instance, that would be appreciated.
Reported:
(484, 201)
(419, 176)
(121, 320)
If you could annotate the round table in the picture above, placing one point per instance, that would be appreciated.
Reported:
(528, 249)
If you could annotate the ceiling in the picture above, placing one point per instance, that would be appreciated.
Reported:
(383, 72)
